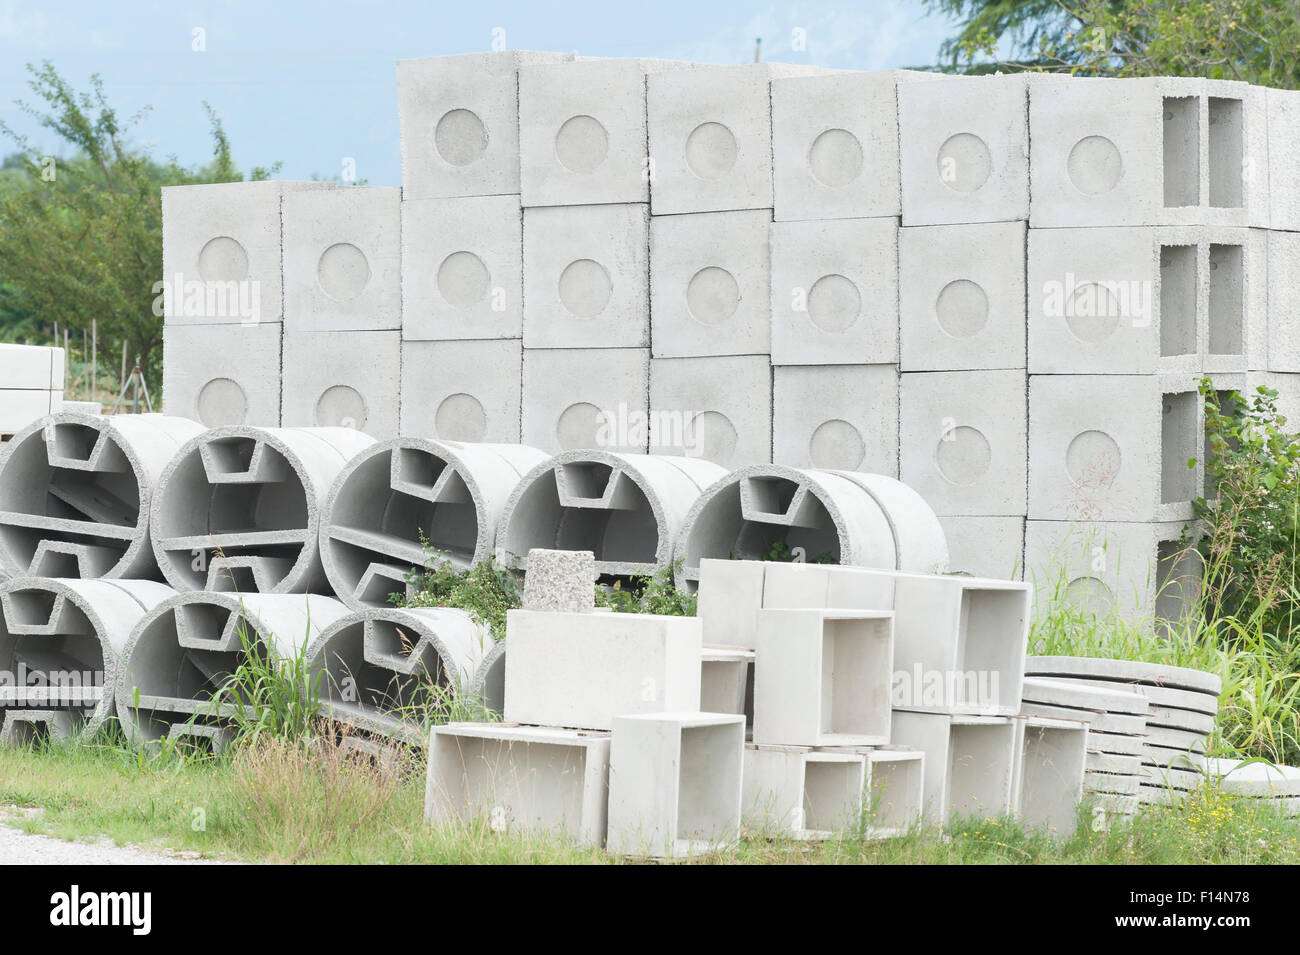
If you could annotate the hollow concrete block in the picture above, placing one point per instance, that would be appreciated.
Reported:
(586, 398)
(837, 417)
(718, 409)
(730, 594)
(342, 380)
(1286, 384)
(1283, 347)
(221, 375)
(895, 788)
(1050, 759)
(727, 681)
(462, 390)
(31, 367)
(560, 580)
(986, 546)
(969, 763)
(1283, 116)
(800, 793)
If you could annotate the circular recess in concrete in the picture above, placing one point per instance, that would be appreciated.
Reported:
(962, 308)
(463, 279)
(963, 455)
(1093, 459)
(835, 158)
(343, 271)
(712, 295)
(1095, 165)
(581, 144)
(341, 406)
(222, 259)
(964, 162)
(837, 445)
(460, 417)
(712, 436)
(222, 402)
(711, 150)
(834, 303)
(460, 137)
(1090, 595)
(1092, 313)
(577, 426)
(585, 288)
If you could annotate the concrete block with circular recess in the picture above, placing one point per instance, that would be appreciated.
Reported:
(839, 417)
(586, 398)
(962, 296)
(835, 292)
(719, 409)
(462, 390)
(342, 259)
(962, 441)
(342, 380)
(587, 276)
(222, 375)
(986, 546)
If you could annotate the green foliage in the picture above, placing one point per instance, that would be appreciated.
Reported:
(487, 590)
(657, 594)
(781, 552)
(269, 695)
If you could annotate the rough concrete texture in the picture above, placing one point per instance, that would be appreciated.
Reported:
(969, 762)
(627, 509)
(343, 260)
(1130, 671)
(834, 292)
(795, 792)
(489, 685)
(462, 268)
(587, 276)
(1283, 349)
(342, 380)
(837, 417)
(239, 508)
(560, 580)
(75, 492)
(962, 296)
(1050, 760)
(986, 546)
(586, 398)
(19, 408)
(1083, 697)
(223, 375)
(31, 367)
(393, 492)
(718, 409)
(462, 390)
(1283, 116)
(1286, 384)
(727, 681)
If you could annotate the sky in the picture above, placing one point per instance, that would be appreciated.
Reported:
(313, 84)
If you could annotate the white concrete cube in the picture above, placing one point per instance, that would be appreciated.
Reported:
(20, 407)
(729, 597)
(1050, 759)
(727, 681)
(720, 407)
(800, 793)
(222, 374)
(462, 390)
(986, 546)
(895, 788)
(586, 398)
(969, 763)
(342, 380)
(842, 417)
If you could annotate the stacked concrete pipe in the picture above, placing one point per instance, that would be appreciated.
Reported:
(381, 503)
(239, 508)
(75, 494)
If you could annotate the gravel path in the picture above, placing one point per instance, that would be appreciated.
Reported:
(21, 848)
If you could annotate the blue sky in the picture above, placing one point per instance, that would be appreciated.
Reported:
(309, 84)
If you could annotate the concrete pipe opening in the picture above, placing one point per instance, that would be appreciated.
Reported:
(489, 686)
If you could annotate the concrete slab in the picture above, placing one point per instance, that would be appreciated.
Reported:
(342, 380)
(577, 398)
(836, 417)
(1158, 696)
(462, 390)
(1084, 697)
(717, 409)
(1139, 672)
(986, 546)
(221, 375)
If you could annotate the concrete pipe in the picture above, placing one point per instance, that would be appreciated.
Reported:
(382, 671)
(186, 648)
(75, 491)
(919, 541)
(627, 509)
(238, 508)
(61, 647)
(394, 491)
(489, 685)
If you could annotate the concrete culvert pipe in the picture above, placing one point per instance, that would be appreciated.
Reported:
(387, 671)
(627, 509)
(61, 651)
(239, 508)
(75, 491)
(385, 498)
(489, 685)
(821, 515)
(186, 648)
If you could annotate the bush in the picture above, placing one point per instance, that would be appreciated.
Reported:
(488, 590)
(657, 594)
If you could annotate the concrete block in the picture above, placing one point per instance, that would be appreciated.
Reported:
(1286, 384)
(895, 788)
(534, 780)
(730, 595)
(31, 368)
(986, 546)
(836, 417)
(1050, 759)
(1122, 724)
(1086, 699)
(586, 398)
(24, 728)
(560, 580)
(1283, 349)
(834, 292)
(645, 662)
(19, 408)
(962, 296)
(460, 123)
(969, 763)
(462, 390)
(1283, 116)
(221, 375)
(710, 284)
(718, 409)
(675, 783)
(342, 380)
(800, 793)
(962, 441)
(727, 681)
(462, 268)
(586, 277)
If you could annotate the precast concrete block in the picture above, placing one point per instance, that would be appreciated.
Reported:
(587, 276)
(986, 546)
(221, 375)
(1286, 384)
(729, 596)
(31, 367)
(963, 442)
(1050, 760)
(20, 407)
(462, 391)
(715, 409)
(342, 380)
(462, 268)
(1121, 724)
(535, 780)
(835, 292)
(675, 783)
(836, 417)
(560, 580)
(1085, 699)
(969, 763)
(1283, 116)
(586, 398)
(489, 686)
(895, 788)
(727, 681)
(962, 296)
(1283, 347)
(799, 793)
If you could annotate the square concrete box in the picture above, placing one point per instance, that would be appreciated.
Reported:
(821, 677)
(1115, 447)
(644, 662)
(1283, 349)
(800, 793)
(722, 408)
(1283, 112)
(342, 380)
(969, 763)
(1050, 761)
(582, 131)
(586, 277)
(462, 391)
(729, 598)
(460, 123)
(675, 783)
(962, 296)
(710, 134)
(841, 417)
(31, 367)
(586, 398)
(222, 252)
(962, 441)
(895, 788)
(462, 268)
(530, 780)
(835, 292)
(1150, 151)
(709, 285)
(727, 681)
(986, 546)
(222, 374)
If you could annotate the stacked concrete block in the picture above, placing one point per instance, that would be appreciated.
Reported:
(342, 379)
(895, 788)
(718, 409)
(836, 417)
(1282, 110)
(576, 398)
(560, 580)
(223, 375)
(1283, 349)
(802, 793)
(1268, 787)
(727, 681)
(1051, 761)
(31, 385)
(970, 763)
(462, 390)
(986, 546)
